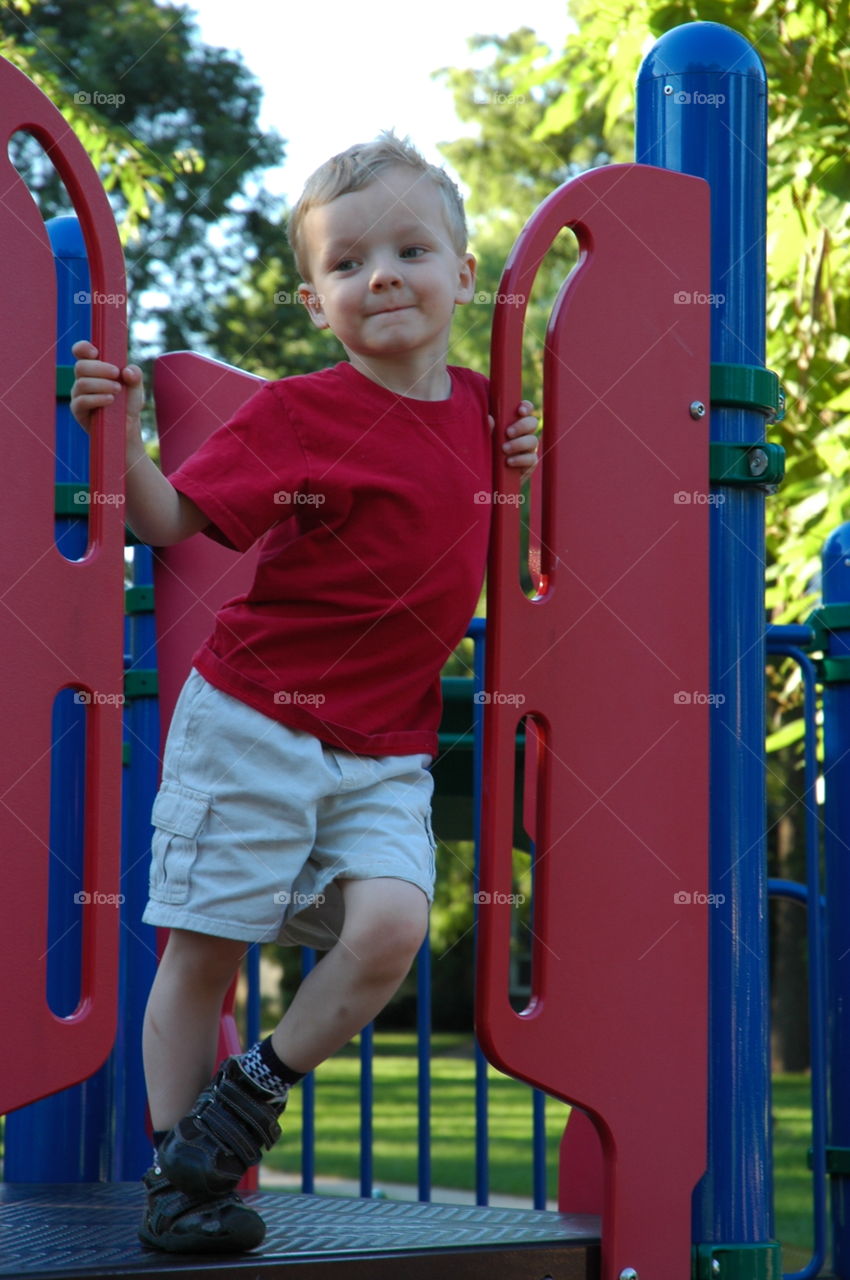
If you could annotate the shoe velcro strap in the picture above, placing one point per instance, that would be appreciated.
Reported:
(229, 1133)
(259, 1116)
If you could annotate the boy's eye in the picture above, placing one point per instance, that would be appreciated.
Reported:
(344, 264)
(412, 251)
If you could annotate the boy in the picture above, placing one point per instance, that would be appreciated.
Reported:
(320, 688)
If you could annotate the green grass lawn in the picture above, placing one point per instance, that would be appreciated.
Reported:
(453, 1130)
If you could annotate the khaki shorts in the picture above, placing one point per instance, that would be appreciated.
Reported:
(255, 824)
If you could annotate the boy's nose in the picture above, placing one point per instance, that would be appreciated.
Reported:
(384, 276)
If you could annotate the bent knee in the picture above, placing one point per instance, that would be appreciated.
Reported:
(386, 934)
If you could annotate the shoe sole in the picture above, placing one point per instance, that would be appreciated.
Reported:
(252, 1234)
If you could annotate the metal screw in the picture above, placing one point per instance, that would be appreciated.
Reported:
(715, 1267)
(628, 1273)
(696, 409)
(757, 462)
(668, 88)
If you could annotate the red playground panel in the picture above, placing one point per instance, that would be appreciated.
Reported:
(194, 396)
(610, 662)
(61, 623)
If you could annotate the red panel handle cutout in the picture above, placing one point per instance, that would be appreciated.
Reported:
(61, 622)
(611, 660)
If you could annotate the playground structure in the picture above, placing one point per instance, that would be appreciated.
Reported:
(648, 1012)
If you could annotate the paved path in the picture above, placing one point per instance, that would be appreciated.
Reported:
(273, 1180)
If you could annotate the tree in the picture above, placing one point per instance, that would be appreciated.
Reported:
(177, 119)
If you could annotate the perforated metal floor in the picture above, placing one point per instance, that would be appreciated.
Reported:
(57, 1232)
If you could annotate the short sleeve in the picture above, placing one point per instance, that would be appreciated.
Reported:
(243, 477)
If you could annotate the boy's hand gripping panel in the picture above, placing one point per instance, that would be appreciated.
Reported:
(611, 661)
(61, 622)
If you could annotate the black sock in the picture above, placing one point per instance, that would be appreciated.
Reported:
(266, 1069)
(158, 1135)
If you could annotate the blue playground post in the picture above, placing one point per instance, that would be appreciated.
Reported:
(701, 109)
(836, 771)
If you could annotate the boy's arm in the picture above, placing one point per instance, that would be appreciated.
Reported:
(156, 512)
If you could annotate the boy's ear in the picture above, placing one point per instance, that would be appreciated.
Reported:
(313, 302)
(466, 278)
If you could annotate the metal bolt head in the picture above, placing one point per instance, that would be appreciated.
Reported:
(757, 462)
(628, 1273)
(696, 409)
(668, 88)
(715, 1267)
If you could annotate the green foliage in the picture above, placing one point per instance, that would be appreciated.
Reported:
(171, 125)
(557, 112)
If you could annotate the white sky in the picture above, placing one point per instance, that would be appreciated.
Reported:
(335, 73)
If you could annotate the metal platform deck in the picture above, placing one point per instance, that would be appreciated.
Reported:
(60, 1232)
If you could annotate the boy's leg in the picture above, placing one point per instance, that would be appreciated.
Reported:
(180, 1033)
(234, 1119)
(385, 922)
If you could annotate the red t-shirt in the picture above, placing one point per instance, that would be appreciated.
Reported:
(374, 546)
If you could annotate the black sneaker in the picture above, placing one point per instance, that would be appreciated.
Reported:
(233, 1121)
(177, 1223)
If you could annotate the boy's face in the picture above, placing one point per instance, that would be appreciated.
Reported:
(384, 275)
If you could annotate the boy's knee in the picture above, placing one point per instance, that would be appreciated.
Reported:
(385, 933)
(201, 959)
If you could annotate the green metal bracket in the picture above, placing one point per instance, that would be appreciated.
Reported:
(748, 386)
(837, 1161)
(759, 464)
(738, 1261)
(64, 381)
(71, 499)
(141, 683)
(826, 620)
(126, 753)
(138, 600)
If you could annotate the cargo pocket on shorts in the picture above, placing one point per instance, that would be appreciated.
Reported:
(432, 844)
(178, 815)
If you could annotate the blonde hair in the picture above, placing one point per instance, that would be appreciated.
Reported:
(356, 168)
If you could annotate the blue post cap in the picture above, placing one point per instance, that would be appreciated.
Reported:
(835, 559)
(702, 47)
(66, 236)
